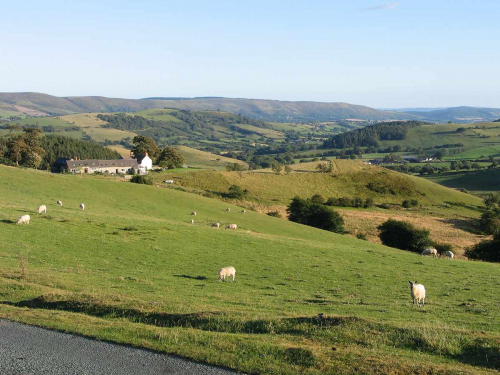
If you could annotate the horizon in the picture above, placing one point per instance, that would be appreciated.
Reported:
(374, 53)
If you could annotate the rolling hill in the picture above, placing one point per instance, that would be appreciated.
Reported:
(462, 114)
(267, 110)
(132, 269)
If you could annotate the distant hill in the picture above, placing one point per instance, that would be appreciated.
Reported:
(458, 114)
(267, 110)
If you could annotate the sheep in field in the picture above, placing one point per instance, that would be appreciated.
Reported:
(430, 251)
(82, 206)
(244, 211)
(232, 226)
(228, 209)
(417, 292)
(25, 219)
(450, 255)
(192, 221)
(216, 225)
(59, 203)
(42, 209)
(193, 213)
(226, 272)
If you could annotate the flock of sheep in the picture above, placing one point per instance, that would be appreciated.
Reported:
(25, 219)
(417, 291)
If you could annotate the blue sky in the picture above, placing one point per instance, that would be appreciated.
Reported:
(384, 54)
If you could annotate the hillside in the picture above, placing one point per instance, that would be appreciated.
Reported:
(462, 114)
(267, 110)
(131, 269)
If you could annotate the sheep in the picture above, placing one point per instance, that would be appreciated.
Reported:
(42, 208)
(450, 255)
(216, 225)
(25, 219)
(244, 211)
(228, 209)
(193, 213)
(232, 226)
(417, 292)
(226, 272)
(82, 206)
(430, 251)
(59, 203)
(192, 221)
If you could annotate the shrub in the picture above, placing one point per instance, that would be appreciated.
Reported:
(485, 250)
(274, 214)
(369, 203)
(442, 247)
(140, 179)
(408, 203)
(316, 215)
(236, 192)
(385, 206)
(361, 236)
(318, 198)
(490, 222)
(402, 235)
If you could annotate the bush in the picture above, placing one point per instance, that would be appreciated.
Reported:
(315, 215)
(408, 203)
(361, 236)
(140, 179)
(369, 203)
(318, 198)
(274, 214)
(490, 222)
(485, 250)
(236, 192)
(442, 247)
(385, 206)
(402, 235)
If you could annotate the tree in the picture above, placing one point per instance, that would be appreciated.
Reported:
(25, 149)
(170, 158)
(485, 250)
(402, 235)
(318, 198)
(143, 145)
(277, 168)
(490, 222)
(288, 169)
(305, 212)
(15, 149)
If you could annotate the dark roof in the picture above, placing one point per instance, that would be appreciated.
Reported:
(95, 163)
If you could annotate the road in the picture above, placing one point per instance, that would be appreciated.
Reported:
(30, 350)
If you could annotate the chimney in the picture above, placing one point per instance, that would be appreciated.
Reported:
(146, 154)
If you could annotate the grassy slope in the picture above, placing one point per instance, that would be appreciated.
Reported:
(478, 182)
(146, 285)
(202, 159)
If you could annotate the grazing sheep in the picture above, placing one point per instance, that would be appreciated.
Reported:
(417, 292)
(192, 221)
(25, 219)
(226, 272)
(244, 211)
(59, 203)
(216, 225)
(450, 255)
(228, 209)
(42, 208)
(430, 251)
(232, 226)
(193, 213)
(82, 206)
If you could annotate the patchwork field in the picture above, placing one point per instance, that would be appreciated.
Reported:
(132, 269)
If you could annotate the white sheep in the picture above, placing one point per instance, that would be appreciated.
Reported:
(216, 225)
(228, 209)
(430, 251)
(193, 213)
(226, 272)
(192, 221)
(232, 226)
(59, 203)
(82, 206)
(450, 255)
(42, 208)
(25, 219)
(417, 292)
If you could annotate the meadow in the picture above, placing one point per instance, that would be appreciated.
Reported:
(132, 269)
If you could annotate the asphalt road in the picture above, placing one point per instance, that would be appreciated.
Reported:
(31, 350)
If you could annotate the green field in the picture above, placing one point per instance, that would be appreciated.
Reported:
(479, 182)
(131, 269)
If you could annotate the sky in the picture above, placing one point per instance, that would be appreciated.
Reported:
(379, 53)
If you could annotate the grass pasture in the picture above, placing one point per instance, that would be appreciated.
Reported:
(201, 159)
(132, 269)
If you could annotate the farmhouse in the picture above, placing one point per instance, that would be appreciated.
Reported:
(104, 166)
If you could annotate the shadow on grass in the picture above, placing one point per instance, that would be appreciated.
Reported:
(6, 221)
(192, 277)
(468, 225)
